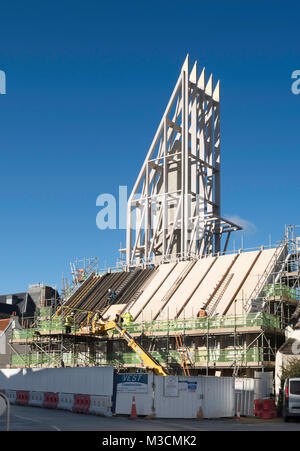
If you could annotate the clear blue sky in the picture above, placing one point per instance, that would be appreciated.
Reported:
(87, 83)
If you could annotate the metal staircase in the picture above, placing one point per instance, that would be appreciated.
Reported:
(222, 284)
(254, 303)
(214, 302)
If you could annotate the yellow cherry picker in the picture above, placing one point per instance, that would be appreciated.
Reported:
(101, 328)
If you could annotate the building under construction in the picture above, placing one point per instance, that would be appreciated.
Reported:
(196, 307)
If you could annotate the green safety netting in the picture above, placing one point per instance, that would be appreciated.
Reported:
(279, 290)
(206, 323)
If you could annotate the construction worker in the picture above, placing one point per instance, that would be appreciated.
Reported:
(202, 313)
(111, 296)
(69, 321)
(118, 318)
(95, 319)
(97, 316)
(128, 318)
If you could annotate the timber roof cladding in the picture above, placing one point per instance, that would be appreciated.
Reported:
(221, 284)
(93, 293)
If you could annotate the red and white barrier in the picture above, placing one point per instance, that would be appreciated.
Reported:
(265, 408)
(65, 401)
(36, 398)
(81, 403)
(95, 405)
(69, 388)
(22, 398)
(100, 405)
(51, 400)
(11, 395)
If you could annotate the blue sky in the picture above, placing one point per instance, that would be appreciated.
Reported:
(87, 84)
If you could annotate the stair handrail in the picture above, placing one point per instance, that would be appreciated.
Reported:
(219, 294)
(264, 277)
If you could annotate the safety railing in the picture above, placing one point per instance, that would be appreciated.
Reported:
(196, 356)
(204, 324)
(265, 276)
(280, 290)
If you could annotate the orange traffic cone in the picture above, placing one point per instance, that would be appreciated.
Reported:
(133, 415)
(238, 414)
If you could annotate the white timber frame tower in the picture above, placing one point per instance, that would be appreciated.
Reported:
(174, 210)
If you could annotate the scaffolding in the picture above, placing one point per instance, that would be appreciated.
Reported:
(81, 269)
(47, 344)
(233, 344)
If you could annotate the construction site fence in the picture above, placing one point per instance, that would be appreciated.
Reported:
(102, 391)
(91, 381)
(188, 396)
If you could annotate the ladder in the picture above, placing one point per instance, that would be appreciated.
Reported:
(175, 286)
(218, 287)
(214, 302)
(183, 355)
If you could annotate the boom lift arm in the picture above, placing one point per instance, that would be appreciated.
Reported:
(148, 360)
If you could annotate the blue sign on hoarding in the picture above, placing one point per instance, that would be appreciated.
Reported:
(132, 383)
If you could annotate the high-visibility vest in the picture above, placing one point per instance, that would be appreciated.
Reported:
(69, 321)
(96, 317)
(202, 313)
(127, 318)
